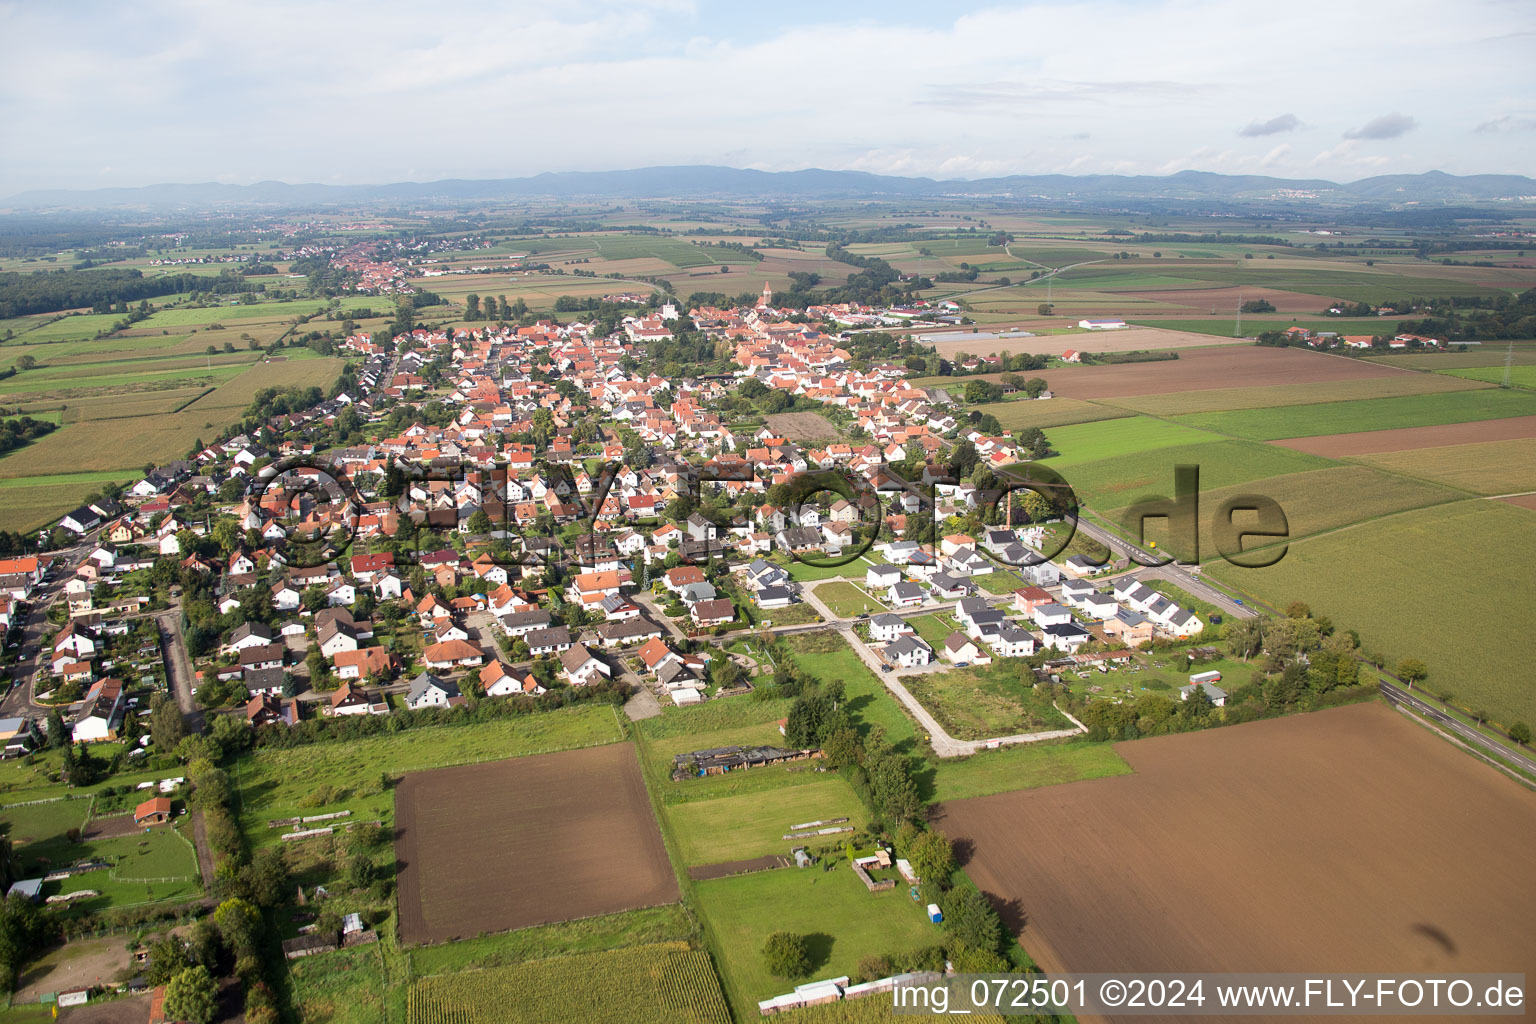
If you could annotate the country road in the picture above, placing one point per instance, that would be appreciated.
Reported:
(1400, 695)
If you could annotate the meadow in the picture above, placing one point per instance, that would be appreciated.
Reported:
(847, 600)
(274, 783)
(842, 920)
(1089, 442)
(742, 827)
(661, 984)
(1518, 376)
(1439, 584)
(1117, 481)
(1367, 414)
(984, 701)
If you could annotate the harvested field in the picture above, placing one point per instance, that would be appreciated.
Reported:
(1127, 340)
(802, 426)
(1493, 467)
(1313, 842)
(1404, 439)
(737, 867)
(583, 810)
(1245, 365)
(1523, 354)
(1314, 393)
(1521, 500)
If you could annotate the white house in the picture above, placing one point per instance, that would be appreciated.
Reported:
(885, 628)
(428, 691)
(1013, 642)
(881, 577)
(904, 595)
(960, 648)
(908, 652)
(580, 667)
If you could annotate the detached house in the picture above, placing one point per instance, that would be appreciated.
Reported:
(428, 691)
(580, 666)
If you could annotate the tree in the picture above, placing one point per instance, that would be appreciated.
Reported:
(970, 918)
(1044, 309)
(786, 956)
(239, 923)
(1520, 732)
(166, 728)
(480, 522)
(1412, 670)
(58, 732)
(1244, 637)
(26, 362)
(167, 958)
(192, 996)
(932, 857)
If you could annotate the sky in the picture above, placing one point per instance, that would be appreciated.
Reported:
(109, 94)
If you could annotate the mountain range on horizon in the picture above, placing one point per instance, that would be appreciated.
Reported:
(708, 181)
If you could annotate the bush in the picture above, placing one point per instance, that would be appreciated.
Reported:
(786, 956)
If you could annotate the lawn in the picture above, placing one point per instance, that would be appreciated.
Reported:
(276, 783)
(983, 701)
(1023, 766)
(847, 600)
(1309, 394)
(146, 867)
(31, 824)
(843, 920)
(1369, 414)
(933, 628)
(805, 572)
(1438, 584)
(1489, 467)
(752, 825)
(1088, 442)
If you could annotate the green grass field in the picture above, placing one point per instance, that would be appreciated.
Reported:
(344, 987)
(1023, 766)
(844, 921)
(274, 783)
(847, 600)
(1088, 442)
(1520, 353)
(1490, 467)
(751, 825)
(1371, 414)
(659, 984)
(1443, 584)
(1225, 399)
(1519, 376)
(669, 923)
(984, 701)
(828, 656)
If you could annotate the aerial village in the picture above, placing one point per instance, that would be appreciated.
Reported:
(532, 511)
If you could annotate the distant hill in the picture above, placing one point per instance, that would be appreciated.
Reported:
(730, 182)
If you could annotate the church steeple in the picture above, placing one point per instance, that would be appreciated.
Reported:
(767, 299)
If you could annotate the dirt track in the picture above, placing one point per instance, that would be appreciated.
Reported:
(736, 867)
(1345, 840)
(1375, 442)
(532, 840)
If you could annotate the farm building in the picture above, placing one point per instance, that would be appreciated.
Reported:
(719, 760)
(1106, 324)
(153, 812)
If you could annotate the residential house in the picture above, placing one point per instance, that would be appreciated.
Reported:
(580, 666)
(962, 650)
(428, 691)
(453, 654)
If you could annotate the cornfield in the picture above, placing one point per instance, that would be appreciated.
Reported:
(667, 983)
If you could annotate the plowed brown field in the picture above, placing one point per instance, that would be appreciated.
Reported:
(1233, 366)
(509, 844)
(1374, 442)
(1344, 840)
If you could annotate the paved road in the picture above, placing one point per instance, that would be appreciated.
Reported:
(1400, 695)
(178, 667)
(38, 629)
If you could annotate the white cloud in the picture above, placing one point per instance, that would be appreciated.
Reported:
(183, 90)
